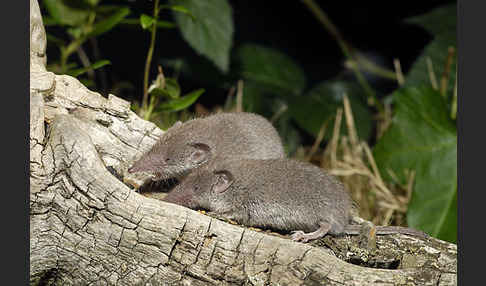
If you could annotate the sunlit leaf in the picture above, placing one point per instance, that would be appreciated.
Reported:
(146, 21)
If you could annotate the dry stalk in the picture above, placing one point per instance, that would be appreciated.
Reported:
(317, 142)
(447, 71)
(353, 135)
(432, 77)
(352, 160)
(331, 150)
(239, 96)
(384, 120)
(398, 71)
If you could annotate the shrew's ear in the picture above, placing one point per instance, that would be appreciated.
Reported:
(224, 179)
(200, 154)
(175, 125)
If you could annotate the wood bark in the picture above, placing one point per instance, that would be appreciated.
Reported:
(88, 227)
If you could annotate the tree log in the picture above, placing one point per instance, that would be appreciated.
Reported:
(87, 226)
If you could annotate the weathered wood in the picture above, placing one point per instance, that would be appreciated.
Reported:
(88, 227)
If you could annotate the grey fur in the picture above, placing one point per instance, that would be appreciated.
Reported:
(280, 194)
(228, 135)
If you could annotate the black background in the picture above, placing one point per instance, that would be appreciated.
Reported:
(373, 27)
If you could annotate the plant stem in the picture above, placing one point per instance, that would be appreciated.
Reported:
(371, 67)
(447, 70)
(149, 58)
(67, 51)
(346, 48)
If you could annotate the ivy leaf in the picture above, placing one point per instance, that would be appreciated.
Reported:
(270, 68)
(423, 138)
(209, 31)
(441, 23)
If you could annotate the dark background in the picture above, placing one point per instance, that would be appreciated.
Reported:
(373, 27)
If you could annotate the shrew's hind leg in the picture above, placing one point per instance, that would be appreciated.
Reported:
(301, 236)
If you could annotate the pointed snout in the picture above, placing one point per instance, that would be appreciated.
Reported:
(131, 170)
(134, 168)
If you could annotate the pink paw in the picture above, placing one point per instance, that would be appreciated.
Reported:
(299, 235)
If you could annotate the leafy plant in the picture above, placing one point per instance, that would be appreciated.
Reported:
(166, 99)
(423, 138)
(83, 20)
(150, 23)
(86, 19)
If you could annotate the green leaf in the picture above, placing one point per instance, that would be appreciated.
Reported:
(75, 32)
(108, 23)
(210, 33)
(423, 138)
(146, 21)
(181, 102)
(55, 40)
(171, 89)
(160, 23)
(270, 68)
(441, 23)
(87, 82)
(178, 8)
(65, 12)
(200, 69)
(96, 65)
(49, 21)
(92, 2)
(253, 98)
(441, 20)
(310, 111)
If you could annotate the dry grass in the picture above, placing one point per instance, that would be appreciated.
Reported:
(352, 161)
